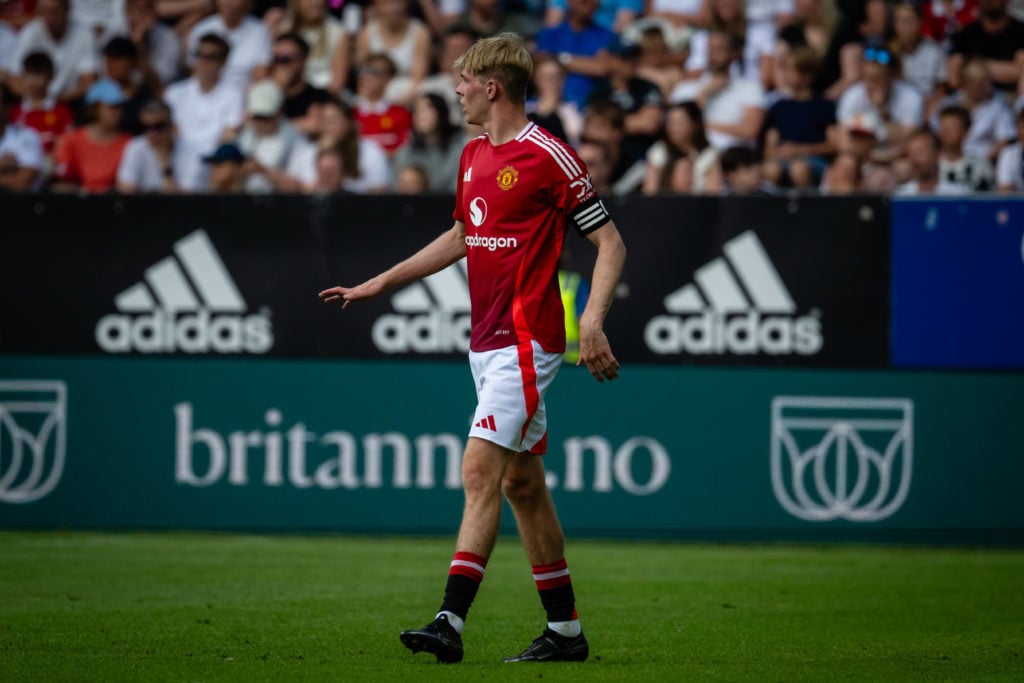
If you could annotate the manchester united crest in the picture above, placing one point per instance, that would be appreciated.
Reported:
(507, 178)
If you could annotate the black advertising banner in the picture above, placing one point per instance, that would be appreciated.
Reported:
(762, 281)
(755, 280)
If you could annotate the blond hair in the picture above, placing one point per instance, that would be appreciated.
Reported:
(504, 58)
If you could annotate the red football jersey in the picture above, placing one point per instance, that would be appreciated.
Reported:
(516, 200)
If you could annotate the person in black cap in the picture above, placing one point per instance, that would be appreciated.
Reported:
(226, 174)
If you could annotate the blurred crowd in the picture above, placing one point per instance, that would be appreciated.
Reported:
(657, 96)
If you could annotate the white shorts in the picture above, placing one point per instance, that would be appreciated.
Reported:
(510, 387)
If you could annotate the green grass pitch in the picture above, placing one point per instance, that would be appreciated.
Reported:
(211, 607)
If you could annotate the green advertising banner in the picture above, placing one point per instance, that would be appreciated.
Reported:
(375, 447)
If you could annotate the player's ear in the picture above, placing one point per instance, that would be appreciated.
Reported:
(492, 89)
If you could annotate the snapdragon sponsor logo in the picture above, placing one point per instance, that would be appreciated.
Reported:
(491, 243)
(187, 302)
(290, 453)
(737, 305)
(432, 315)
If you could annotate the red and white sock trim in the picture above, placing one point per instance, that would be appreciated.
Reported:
(548, 576)
(468, 564)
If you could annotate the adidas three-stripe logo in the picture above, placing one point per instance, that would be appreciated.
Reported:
(736, 304)
(186, 302)
(487, 423)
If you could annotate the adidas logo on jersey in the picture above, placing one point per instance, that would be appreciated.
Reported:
(187, 302)
(432, 315)
(487, 423)
(737, 304)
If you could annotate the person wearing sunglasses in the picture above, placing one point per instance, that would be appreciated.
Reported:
(882, 92)
(152, 161)
(289, 72)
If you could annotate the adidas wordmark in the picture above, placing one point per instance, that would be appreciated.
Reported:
(737, 304)
(187, 302)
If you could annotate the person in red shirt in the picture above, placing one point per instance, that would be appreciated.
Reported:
(386, 123)
(37, 110)
(87, 158)
(519, 190)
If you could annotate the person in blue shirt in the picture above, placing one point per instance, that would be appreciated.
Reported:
(581, 46)
(614, 15)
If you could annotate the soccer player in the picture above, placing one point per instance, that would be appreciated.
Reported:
(518, 189)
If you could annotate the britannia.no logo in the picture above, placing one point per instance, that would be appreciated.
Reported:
(32, 438)
(841, 457)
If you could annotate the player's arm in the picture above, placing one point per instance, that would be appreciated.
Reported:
(448, 248)
(595, 350)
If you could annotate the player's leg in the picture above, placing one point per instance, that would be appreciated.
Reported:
(525, 487)
(483, 466)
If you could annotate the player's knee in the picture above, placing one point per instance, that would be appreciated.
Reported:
(518, 488)
(478, 479)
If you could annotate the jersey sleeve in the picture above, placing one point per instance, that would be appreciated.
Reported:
(463, 166)
(574, 192)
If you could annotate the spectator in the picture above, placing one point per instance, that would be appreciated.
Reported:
(152, 160)
(487, 18)
(924, 62)
(733, 108)
(940, 19)
(764, 19)
(683, 160)
(96, 15)
(972, 172)
(157, 46)
(249, 58)
(71, 47)
(812, 25)
(411, 179)
(866, 24)
(604, 123)
(895, 102)
(658, 62)
(329, 59)
(278, 157)
(436, 144)
(1010, 169)
(183, 15)
(21, 153)
(842, 177)
(384, 122)
(991, 118)
(454, 44)
(545, 106)
(995, 36)
(289, 72)
(741, 172)
(801, 129)
(121, 65)
(598, 159)
(206, 110)
(731, 16)
(405, 40)
(639, 98)
(38, 110)
(87, 158)
(923, 154)
(225, 169)
(581, 46)
(614, 15)
(366, 163)
(862, 134)
(330, 172)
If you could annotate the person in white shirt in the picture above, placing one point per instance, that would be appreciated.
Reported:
(158, 45)
(249, 39)
(734, 108)
(278, 157)
(205, 109)
(991, 117)
(956, 166)
(923, 155)
(330, 46)
(896, 103)
(71, 46)
(152, 162)
(21, 154)
(924, 61)
(1010, 168)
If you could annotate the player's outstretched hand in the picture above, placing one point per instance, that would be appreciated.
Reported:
(347, 295)
(596, 352)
